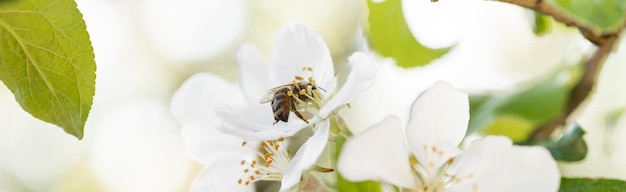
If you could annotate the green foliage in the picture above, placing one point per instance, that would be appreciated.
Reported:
(517, 113)
(47, 61)
(345, 185)
(592, 185)
(514, 127)
(534, 103)
(569, 146)
(542, 24)
(390, 36)
(601, 16)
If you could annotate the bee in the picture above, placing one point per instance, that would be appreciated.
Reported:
(300, 94)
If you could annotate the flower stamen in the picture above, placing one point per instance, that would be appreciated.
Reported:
(430, 173)
(275, 160)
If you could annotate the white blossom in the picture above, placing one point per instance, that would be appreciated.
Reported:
(432, 161)
(204, 97)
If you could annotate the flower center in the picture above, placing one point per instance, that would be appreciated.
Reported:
(307, 94)
(272, 160)
(433, 177)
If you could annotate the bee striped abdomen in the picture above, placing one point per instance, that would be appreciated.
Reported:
(281, 105)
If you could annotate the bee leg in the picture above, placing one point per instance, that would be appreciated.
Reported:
(295, 111)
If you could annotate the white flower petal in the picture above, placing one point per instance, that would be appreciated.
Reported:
(297, 46)
(439, 118)
(254, 76)
(207, 144)
(194, 107)
(378, 153)
(221, 176)
(256, 122)
(496, 165)
(361, 77)
(195, 100)
(306, 156)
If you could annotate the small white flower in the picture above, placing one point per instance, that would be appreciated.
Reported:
(204, 97)
(296, 47)
(231, 162)
(438, 121)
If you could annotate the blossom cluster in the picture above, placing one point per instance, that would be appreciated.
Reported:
(285, 115)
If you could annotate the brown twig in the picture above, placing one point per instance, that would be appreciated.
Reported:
(580, 92)
(543, 7)
(583, 88)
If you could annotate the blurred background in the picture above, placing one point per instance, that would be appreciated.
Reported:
(146, 48)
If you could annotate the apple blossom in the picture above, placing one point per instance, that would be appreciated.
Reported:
(239, 114)
(433, 162)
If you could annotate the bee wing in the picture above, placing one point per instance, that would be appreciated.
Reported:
(269, 95)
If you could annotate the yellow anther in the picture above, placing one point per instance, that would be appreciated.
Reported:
(412, 160)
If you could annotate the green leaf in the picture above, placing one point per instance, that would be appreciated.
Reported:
(601, 16)
(542, 24)
(47, 61)
(535, 102)
(514, 127)
(345, 185)
(592, 185)
(569, 146)
(391, 37)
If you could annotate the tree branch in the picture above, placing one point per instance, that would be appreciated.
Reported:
(543, 7)
(580, 92)
(583, 88)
